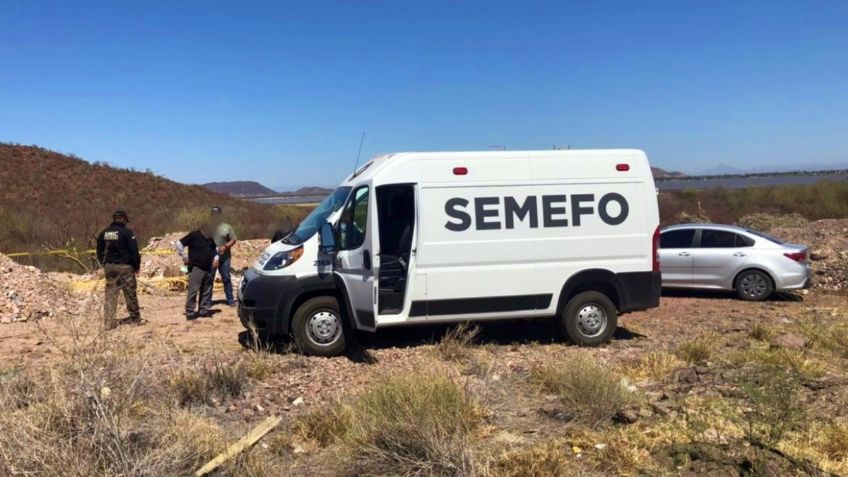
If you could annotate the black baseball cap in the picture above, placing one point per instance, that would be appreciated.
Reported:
(217, 210)
(120, 214)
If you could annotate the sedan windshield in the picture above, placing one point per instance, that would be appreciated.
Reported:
(313, 221)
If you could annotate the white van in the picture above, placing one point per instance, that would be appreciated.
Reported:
(465, 236)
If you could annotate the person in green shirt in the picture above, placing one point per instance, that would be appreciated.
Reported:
(225, 239)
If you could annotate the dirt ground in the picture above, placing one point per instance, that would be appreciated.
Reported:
(496, 365)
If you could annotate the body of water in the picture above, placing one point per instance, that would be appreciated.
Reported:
(740, 182)
(290, 199)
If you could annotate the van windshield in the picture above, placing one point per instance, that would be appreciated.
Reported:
(313, 221)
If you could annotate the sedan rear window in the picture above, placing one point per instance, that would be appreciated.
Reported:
(717, 239)
(723, 239)
(766, 236)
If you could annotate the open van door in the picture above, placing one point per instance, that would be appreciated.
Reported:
(356, 262)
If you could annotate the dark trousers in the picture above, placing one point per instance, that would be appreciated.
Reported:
(226, 278)
(199, 287)
(120, 277)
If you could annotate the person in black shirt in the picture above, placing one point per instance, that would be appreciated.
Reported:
(117, 251)
(202, 260)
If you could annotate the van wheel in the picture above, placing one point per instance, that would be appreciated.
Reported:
(317, 327)
(754, 285)
(590, 319)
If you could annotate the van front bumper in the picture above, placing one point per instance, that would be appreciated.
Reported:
(259, 302)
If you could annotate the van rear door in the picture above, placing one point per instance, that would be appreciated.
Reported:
(355, 263)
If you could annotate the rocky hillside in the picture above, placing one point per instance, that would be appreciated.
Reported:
(664, 174)
(49, 199)
(240, 188)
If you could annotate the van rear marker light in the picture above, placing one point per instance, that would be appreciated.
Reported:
(622, 167)
(460, 171)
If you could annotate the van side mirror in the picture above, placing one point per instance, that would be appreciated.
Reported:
(327, 237)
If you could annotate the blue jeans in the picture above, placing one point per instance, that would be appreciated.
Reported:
(224, 270)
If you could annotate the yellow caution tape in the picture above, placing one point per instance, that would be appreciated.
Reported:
(82, 252)
(155, 282)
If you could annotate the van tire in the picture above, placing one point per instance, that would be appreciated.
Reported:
(589, 319)
(754, 285)
(318, 327)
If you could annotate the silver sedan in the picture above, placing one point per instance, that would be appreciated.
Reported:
(728, 257)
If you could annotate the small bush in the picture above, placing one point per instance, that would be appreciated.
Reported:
(696, 351)
(413, 425)
(834, 441)
(327, 425)
(540, 460)
(201, 384)
(591, 392)
(656, 366)
(796, 360)
(761, 332)
(454, 346)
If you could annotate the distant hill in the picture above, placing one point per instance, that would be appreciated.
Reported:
(322, 191)
(240, 188)
(663, 174)
(53, 199)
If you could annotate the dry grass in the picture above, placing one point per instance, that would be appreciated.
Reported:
(542, 459)
(411, 424)
(455, 344)
(761, 355)
(589, 392)
(104, 407)
(761, 332)
(326, 425)
(657, 366)
(204, 382)
(696, 351)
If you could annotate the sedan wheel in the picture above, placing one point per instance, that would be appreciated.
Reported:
(754, 285)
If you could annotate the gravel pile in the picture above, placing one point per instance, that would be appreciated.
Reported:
(26, 293)
(159, 259)
(828, 242)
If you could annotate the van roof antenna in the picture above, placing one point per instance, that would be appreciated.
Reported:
(361, 140)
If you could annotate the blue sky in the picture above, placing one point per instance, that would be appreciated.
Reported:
(280, 92)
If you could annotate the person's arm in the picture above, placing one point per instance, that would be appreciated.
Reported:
(132, 245)
(231, 236)
(180, 246)
(101, 248)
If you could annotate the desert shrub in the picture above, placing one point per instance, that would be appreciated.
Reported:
(695, 351)
(327, 425)
(767, 222)
(454, 345)
(772, 394)
(201, 383)
(99, 412)
(832, 337)
(656, 366)
(590, 392)
(540, 460)
(760, 331)
(834, 440)
(824, 200)
(798, 361)
(413, 425)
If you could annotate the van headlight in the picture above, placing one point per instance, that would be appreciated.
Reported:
(283, 259)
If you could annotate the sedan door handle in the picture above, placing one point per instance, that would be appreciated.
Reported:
(684, 254)
(739, 254)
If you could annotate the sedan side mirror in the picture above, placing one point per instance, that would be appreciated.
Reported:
(327, 237)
